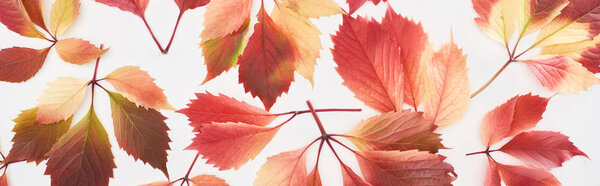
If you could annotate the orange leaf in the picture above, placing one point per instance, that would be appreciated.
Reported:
(542, 149)
(208, 108)
(82, 156)
(368, 60)
(243, 142)
(35, 11)
(415, 52)
(141, 132)
(14, 16)
(585, 52)
(518, 175)
(63, 15)
(232, 12)
(518, 114)
(492, 176)
(207, 180)
(313, 8)
(190, 4)
(562, 74)
(314, 178)
(396, 131)
(60, 100)
(266, 67)
(159, 183)
(20, 64)
(405, 168)
(286, 168)
(447, 97)
(78, 51)
(138, 87)
(137, 7)
(221, 54)
(32, 140)
(3, 179)
(352, 179)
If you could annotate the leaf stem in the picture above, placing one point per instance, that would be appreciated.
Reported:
(93, 82)
(317, 119)
(481, 152)
(152, 34)
(492, 79)
(174, 30)
(187, 175)
(316, 110)
(287, 121)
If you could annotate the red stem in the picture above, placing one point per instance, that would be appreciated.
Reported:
(492, 79)
(481, 152)
(186, 178)
(319, 124)
(316, 110)
(93, 82)
(319, 153)
(152, 34)
(174, 30)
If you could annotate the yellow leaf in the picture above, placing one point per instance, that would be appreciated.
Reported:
(577, 22)
(497, 18)
(313, 8)
(538, 13)
(63, 15)
(60, 100)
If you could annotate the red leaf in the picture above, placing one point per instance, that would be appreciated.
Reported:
(286, 168)
(3, 179)
(14, 16)
(518, 175)
(405, 168)
(208, 108)
(230, 145)
(518, 114)
(492, 176)
(562, 74)
(221, 54)
(266, 67)
(82, 156)
(314, 178)
(415, 52)
(137, 7)
(368, 60)
(542, 149)
(351, 179)
(141, 132)
(356, 4)
(20, 64)
(190, 4)
(35, 11)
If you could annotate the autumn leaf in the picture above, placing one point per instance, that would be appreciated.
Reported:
(141, 132)
(403, 130)
(190, 4)
(286, 168)
(137, 86)
(538, 13)
(518, 114)
(60, 100)
(63, 14)
(207, 180)
(492, 176)
(368, 60)
(82, 156)
(576, 22)
(221, 54)
(243, 142)
(415, 51)
(585, 52)
(266, 66)
(14, 16)
(356, 4)
(78, 51)
(233, 12)
(542, 149)
(3, 179)
(498, 18)
(405, 168)
(33, 140)
(20, 64)
(519, 175)
(562, 74)
(314, 178)
(447, 97)
(352, 179)
(208, 108)
(313, 8)
(136, 7)
(34, 9)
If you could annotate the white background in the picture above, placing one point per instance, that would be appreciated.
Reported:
(182, 70)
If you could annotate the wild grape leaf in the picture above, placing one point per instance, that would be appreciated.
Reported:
(542, 149)
(352, 179)
(35, 11)
(538, 13)
(221, 54)
(314, 178)
(138, 86)
(448, 93)
(585, 52)
(356, 4)
(562, 74)
(578, 21)
(20, 64)
(14, 16)
(266, 66)
(63, 14)
(403, 130)
(492, 176)
(405, 168)
(78, 51)
(313, 8)
(208, 108)
(286, 168)
(141, 132)
(136, 7)
(415, 51)
(518, 114)
(190, 4)
(60, 100)
(233, 12)
(243, 142)
(33, 140)
(519, 175)
(368, 60)
(82, 156)
(498, 18)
